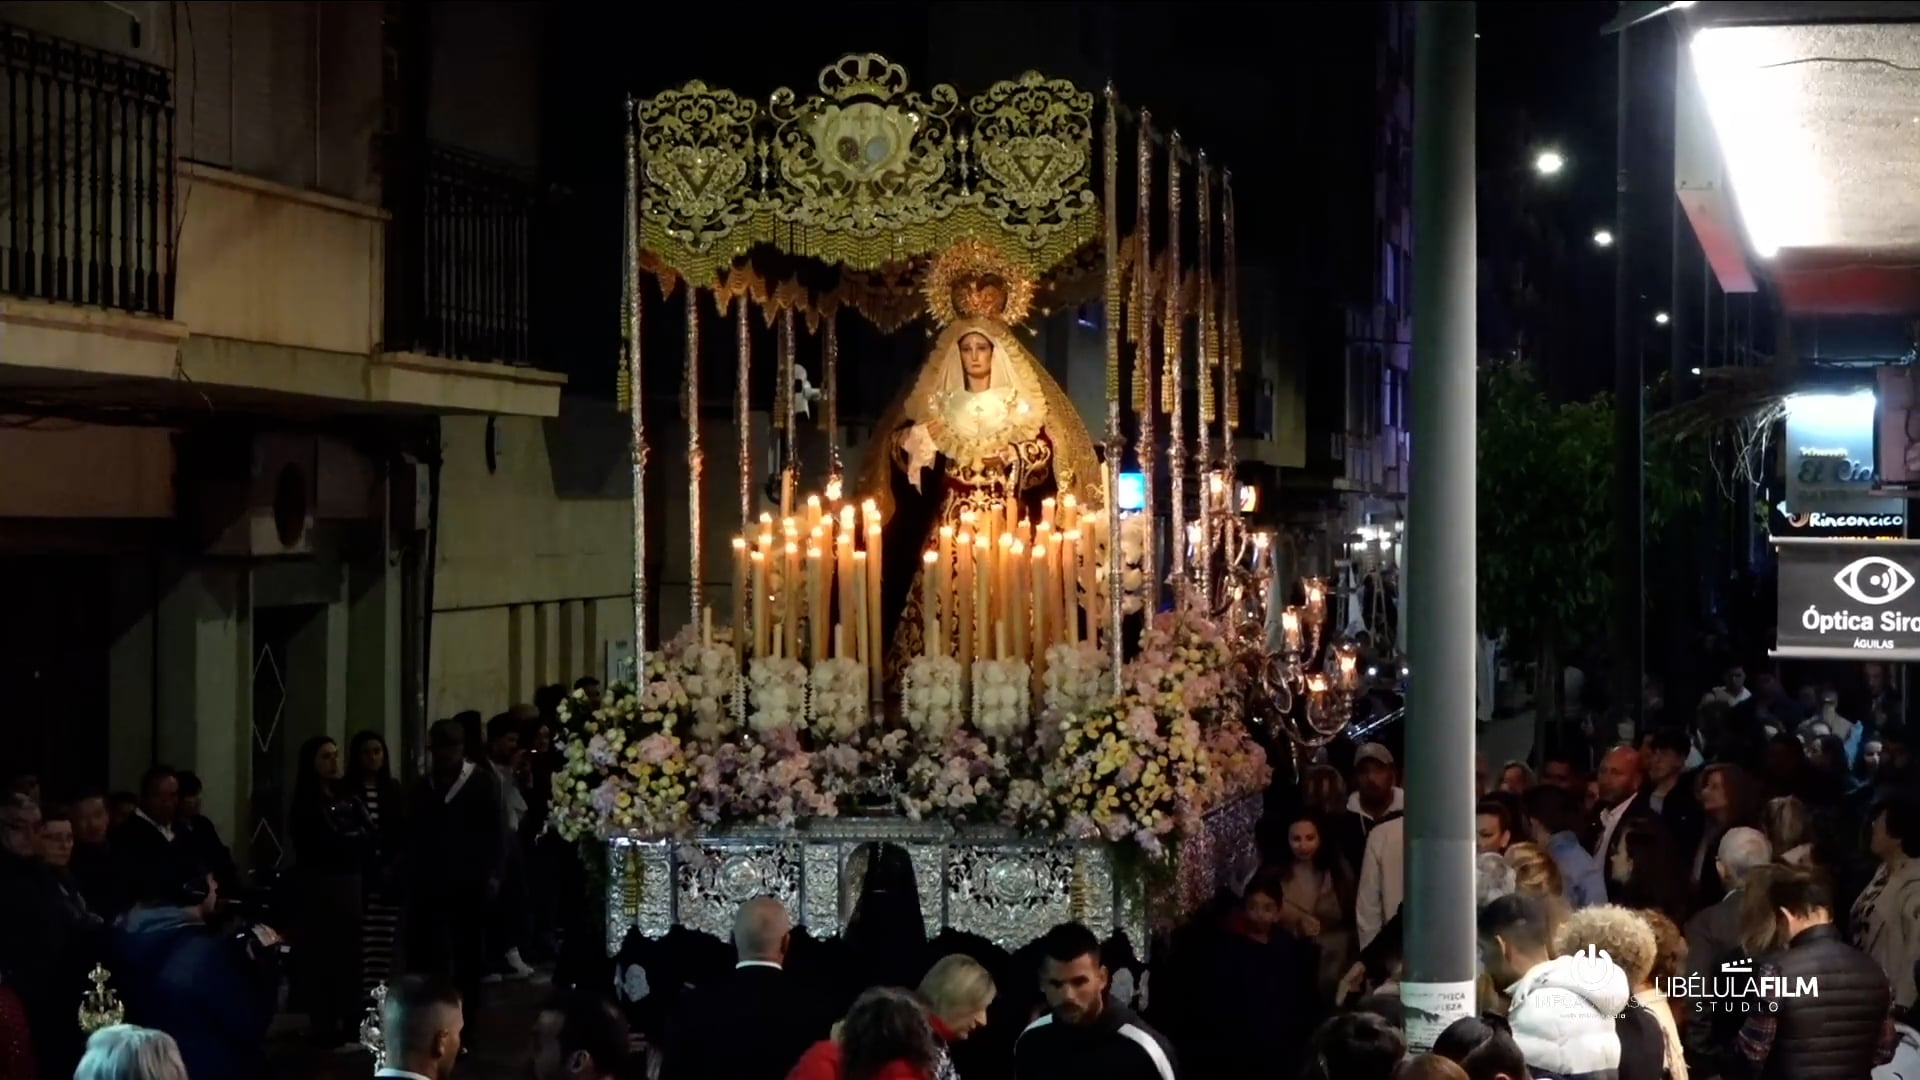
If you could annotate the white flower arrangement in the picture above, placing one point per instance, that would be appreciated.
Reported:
(776, 693)
(709, 674)
(837, 702)
(1076, 679)
(1001, 698)
(1133, 572)
(931, 689)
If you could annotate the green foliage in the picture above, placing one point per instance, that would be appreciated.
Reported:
(1545, 492)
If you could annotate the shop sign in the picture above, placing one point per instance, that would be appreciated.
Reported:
(1830, 470)
(1849, 598)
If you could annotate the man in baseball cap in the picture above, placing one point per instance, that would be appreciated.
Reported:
(1378, 802)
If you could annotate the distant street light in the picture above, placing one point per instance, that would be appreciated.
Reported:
(1603, 238)
(1696, 371)
(1660, 318)
(1549, 162)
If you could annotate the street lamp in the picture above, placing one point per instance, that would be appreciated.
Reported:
(1549, 162)
(1660, 318)
(1603, 238)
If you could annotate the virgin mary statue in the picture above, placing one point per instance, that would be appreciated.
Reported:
(980, 424)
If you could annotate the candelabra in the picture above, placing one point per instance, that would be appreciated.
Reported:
(100, 1007)
(1302, 690)
(371, 1036)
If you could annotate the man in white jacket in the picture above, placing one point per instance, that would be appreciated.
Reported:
(1383, 882)
(1562, 1009)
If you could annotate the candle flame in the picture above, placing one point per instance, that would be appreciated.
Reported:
(846, 517)
(1073, 534)
(1046, 502)
(813, 553)
(1069, 501)
(813, 502)
(833, 489)
(931, 557)
(1007, 540)
(982, 540)
(756, 556)
(859, 556)
(739, 543)
(946, 531)
(1018, 547)
(766, 521)
(964, 538)
(1039, 551)
(793, 548)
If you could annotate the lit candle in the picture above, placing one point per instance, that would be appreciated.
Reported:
(1041, 625)
(929, 606)
(943, 586)
(1290, 629)
(816, 605)
(963, 601)
(876, 657)
(1349, 664)
(1046, 513)
(982, 605)
(1069, 576)
(1003, 581)
(843, 569)
(862, 643)
(813, 512)
(1017, 615)
(740, 578)
(1069, 512)
(790, 602)
(1259, 549)
(759, 559)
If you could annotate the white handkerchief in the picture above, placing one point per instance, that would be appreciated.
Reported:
(920, 452)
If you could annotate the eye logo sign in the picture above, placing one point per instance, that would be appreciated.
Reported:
(1874, 580)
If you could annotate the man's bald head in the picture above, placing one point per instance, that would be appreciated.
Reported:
(760, 930)
(1621, 774)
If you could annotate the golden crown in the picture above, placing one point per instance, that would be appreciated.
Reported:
(972, 279)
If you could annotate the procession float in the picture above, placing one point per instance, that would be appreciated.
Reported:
(977, 647)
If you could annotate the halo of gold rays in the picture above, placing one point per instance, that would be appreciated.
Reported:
(974, 260)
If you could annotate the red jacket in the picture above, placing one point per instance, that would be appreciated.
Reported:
(822, 1062)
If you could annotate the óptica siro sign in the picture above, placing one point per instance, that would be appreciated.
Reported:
(1849, 598)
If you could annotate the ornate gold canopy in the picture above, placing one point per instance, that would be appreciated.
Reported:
(867, 173)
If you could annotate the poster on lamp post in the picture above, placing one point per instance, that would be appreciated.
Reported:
(1848, 599)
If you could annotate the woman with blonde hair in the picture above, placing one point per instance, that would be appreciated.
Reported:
(1611, 932)
(1789, 828)
(957, 991)
(1669, 957)
(1536, 874)
(126, 1052)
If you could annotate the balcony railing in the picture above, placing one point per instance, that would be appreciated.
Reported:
(86, 175)
(458, 279)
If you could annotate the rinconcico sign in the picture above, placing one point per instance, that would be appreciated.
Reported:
(1849, 598)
